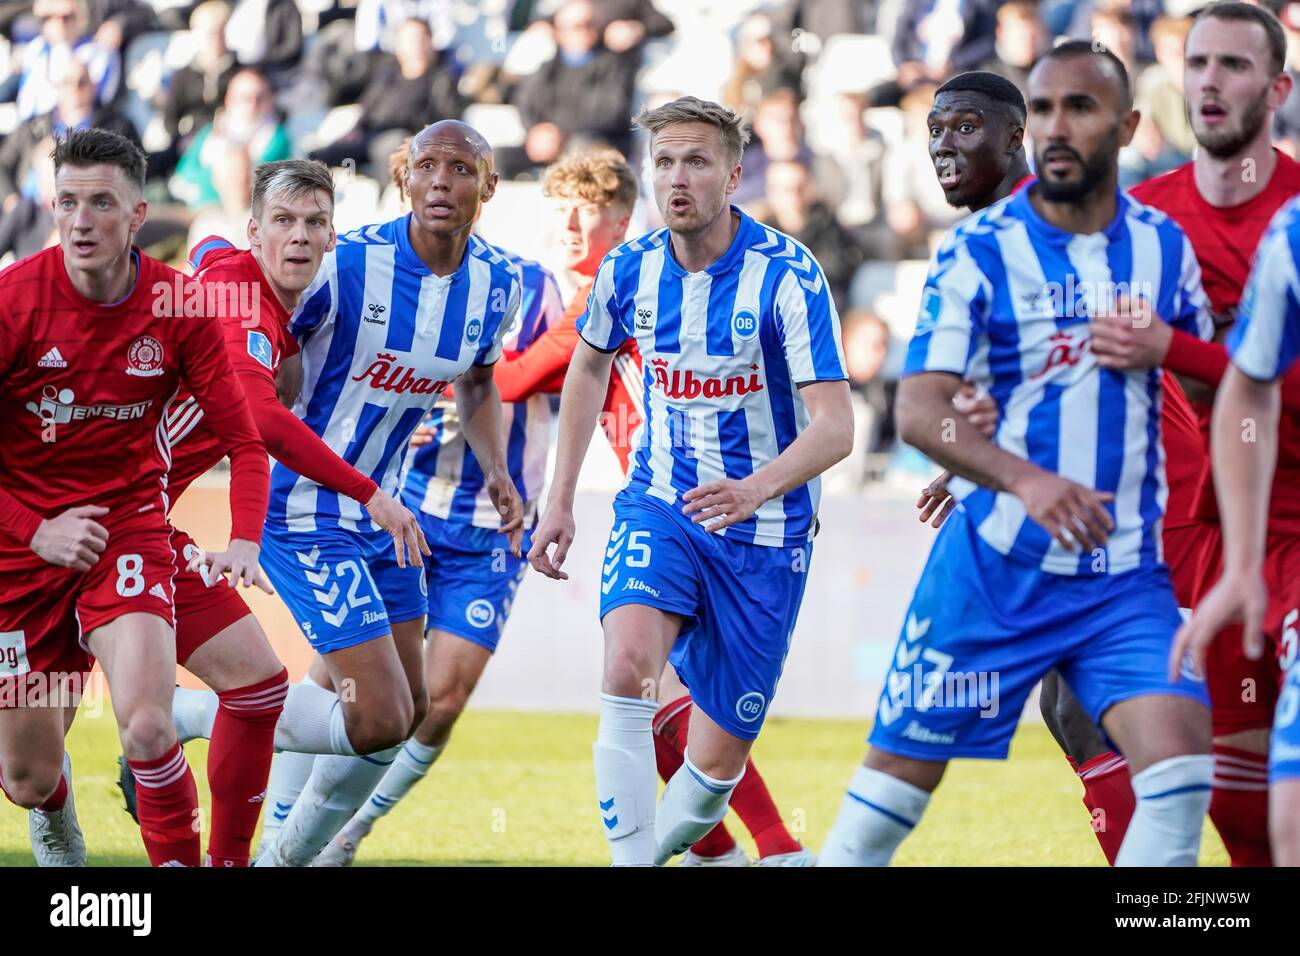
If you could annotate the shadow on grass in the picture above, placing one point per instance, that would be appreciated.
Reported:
(14, 858)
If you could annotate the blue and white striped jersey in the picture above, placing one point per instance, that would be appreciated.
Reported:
(1006, 304)
(724, 352)
(443, 478)
(381, 338)
(1265, 340)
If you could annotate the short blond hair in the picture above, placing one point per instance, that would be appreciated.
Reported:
(601, 176)
(731, 125)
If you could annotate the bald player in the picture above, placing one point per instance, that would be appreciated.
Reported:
(397, 312)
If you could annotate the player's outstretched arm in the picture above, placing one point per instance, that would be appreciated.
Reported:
(1073, 514)
(479, 407)
(1243, 443)
(540, 368)
(580, 404)
(827, 439)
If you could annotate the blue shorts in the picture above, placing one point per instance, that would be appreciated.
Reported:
(1284, 745)
(740, 601)
(982, 630)
(471, 577)
(343, 587)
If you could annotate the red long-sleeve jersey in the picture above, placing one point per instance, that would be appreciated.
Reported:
(256, 330)
(87, 388)
(541, 369)
(1224, 239)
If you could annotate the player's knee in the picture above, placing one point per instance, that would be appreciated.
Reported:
(29, 788)
(419, 711)
(147, 733)
(626, 671)
(445, 708)
(379, 731)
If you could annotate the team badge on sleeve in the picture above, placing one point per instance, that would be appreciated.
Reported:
(259, 347)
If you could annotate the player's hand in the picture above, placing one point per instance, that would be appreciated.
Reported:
(1133, 338)
(935, 497)
(398, 521)
(422, 436)
(980, 411)
(72, 539)
(725, 502)
(1239, 596)
(505, 498)
(555, 528)
(1071, 513)
(239, 560)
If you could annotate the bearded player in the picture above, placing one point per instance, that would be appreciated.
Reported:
(96, 339)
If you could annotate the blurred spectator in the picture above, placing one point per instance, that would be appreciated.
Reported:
(778, 135)
(1286, 123)
(625, 25)
(1160, 86)
(1021, 39)
(581, 96)
(198, 88)
(246, 125)
(866, 346)
(115, 23)
(1116, 28)
(937, 38)
(75, 109)
(62, 39)
(266, 34)
(858, 153)
(1142, 14)
(232, 184)
(761, 68)
(27, 222)
(810, 23)
(793, 206)
(413, 87)
(377, 22)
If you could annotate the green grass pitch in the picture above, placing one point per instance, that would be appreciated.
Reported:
(516, 789)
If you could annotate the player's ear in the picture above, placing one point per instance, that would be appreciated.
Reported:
(254, 236)
(1128, 126)
(1016, 138)
(329, 246)
(489, 186)
(138, 215)
(1280, 90)
(733, 181)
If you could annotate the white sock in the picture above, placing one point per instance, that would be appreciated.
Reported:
(624, 755)
(289, 774)
(691, 806)
(877, 813)
(410, 767)
(1173, 797)
(312, 722)
(194, 712)
(337, 788)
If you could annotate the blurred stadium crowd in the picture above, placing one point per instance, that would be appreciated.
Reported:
(838, 92)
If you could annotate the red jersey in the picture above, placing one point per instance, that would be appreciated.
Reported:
(87, 388)
(257, 338)
(541, 368)
(1225, 239)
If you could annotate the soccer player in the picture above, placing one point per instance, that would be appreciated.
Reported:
(472, 576)
(1235, 79)
(217, 637)
(594, 192)
(396, 313)
(1264, 344)
(95, 340)
(976, 135)
(1053, 560)
(746, 404)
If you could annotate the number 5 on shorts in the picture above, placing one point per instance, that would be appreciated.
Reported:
(638, 552)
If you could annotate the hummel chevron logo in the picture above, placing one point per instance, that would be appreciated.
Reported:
(609, 585)
(771, 242)
(607, 568)
(908, 653)
(813, 285)
(52, 359)
(327, 598)
(610, 822)
(310, 557)
(607, 805)
(318, 577)
(335, 619)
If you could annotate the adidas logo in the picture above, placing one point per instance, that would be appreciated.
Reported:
(52, 359)
(158, 592)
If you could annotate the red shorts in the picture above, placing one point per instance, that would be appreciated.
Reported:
(1244, 693)
(47, 612)
(1185, 548)
(202, 610)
